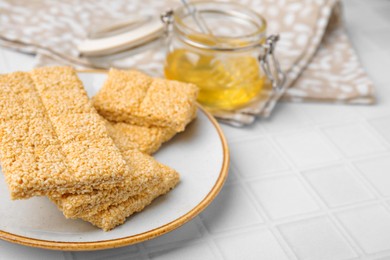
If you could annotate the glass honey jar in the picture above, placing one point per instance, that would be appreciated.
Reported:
(224, 50)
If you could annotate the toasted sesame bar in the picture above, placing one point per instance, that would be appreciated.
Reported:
(145, 139)
(89, 151)
(116, 214)
(135, 98)
(147, 171)
(30, 152)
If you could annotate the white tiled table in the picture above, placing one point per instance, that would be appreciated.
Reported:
(312, 182)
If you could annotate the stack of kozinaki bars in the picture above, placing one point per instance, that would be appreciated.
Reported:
(90, 158)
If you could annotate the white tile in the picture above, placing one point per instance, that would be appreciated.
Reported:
(360, 40)
(369, 226)
(232, 175)
(231, 209)
(337, 185)
(354, 140)
(382, 106)
(256, 244)
(117, 253)
(256, 158)
(283, 197)
(379, 36)
(237, 133)
(286, 117)
(373, 5)
(307, 148)
(376, 70)
(316, 239)
(3, 63)
(376, 170)
(190, 251)
(354, 20)
(383, 8)
(187, 232)
(382, 126)
(383, 258)
(330, 113)
(17, 61)
(14, 251)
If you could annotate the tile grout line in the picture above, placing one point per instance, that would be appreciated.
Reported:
(354, 246)
(143, 251)
(272, 226)
(268, 224)
(329, 211)
(375, 132)
(379, 197)
(205, 236)
(267, 220)
(379, 152)
(68, 255)
(209, 237)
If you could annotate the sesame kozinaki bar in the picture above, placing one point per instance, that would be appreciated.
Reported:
(135, 98)
(116, 214)
(143, 138)
(146, 168)
(31, 154)
(89, 151)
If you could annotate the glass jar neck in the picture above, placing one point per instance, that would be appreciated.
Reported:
(230, 26)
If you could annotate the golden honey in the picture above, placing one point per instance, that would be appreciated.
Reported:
(223, 61)
(226, 82)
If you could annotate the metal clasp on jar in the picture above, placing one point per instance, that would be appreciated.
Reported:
(167, 19)
(268, 61)
(270, 64)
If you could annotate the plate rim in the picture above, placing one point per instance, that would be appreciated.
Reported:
(129, 240)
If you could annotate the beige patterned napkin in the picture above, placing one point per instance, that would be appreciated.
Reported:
(314, 49)
(334, 74)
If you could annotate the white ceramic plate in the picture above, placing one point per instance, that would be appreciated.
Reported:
(199, 154)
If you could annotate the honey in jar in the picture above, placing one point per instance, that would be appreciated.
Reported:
(225, 64)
